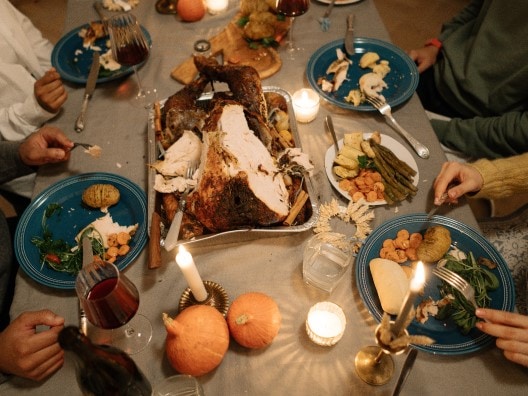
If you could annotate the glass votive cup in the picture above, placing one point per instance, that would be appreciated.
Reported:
(325, 323)
(216, 6)
(305, 105)
(325, 261)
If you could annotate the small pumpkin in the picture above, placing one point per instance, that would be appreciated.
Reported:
(197, 339)
(190, 10)
(254, 320)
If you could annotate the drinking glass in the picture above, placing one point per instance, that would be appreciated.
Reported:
(130, 48)
(110, 301)
(292, 9)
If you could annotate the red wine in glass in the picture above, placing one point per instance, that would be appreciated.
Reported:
(111, 301)
(130, 48)
(292, 9)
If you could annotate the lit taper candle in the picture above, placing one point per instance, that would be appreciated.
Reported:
(186, 263)
(416, 285)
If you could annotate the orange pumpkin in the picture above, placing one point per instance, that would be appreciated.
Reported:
(190, 10)
(254, 320)
(197, 339)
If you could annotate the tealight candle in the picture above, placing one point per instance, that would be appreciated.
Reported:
(186, 263)
(415, 287)
(325, 323)
(216, 6)
(305, 105)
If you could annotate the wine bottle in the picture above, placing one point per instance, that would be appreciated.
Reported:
(103, 369)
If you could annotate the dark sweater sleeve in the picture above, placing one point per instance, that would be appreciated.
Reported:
(485, 137)
(469, 13)
(11, 166)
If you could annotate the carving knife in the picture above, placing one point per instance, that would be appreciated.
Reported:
(87, 255)
(349, 36)
(330, 127)
(88, 91)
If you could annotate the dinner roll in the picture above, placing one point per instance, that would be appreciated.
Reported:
(391, 284)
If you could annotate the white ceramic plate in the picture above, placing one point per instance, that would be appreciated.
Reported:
(340, 2)
(396, 147)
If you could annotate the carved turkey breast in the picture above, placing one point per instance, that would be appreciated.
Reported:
(239, 183)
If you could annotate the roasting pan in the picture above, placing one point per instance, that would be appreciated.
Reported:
(251, 232)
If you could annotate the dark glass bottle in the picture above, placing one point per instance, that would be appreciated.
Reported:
(103, 369)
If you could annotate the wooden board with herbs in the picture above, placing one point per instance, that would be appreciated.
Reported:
(234, 48)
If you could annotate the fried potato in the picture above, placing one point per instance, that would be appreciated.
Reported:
(368, 59)
(350, 152)
(353, 140)
(345, 173)
(346, 162)
(100, 195)
(435, 244)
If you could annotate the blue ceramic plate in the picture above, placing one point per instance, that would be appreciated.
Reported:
(73, 61)
(402, 79)
(131, 209)
(449, 340)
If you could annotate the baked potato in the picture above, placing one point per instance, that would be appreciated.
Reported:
(435, 244)
(100, 195)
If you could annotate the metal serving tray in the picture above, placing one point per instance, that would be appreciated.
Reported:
(153, 155)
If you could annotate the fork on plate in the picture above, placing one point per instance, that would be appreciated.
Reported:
(458, 283)
(385, 109)
(171, 238)
(84, 145)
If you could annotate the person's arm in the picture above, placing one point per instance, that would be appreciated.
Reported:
(11, 166)
(485, 137)
(467, 14)
(28, 353)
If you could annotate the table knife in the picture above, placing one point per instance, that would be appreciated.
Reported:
(88, 91)
(349, 35)
(406, 369)
(330, 127)
(87, 255)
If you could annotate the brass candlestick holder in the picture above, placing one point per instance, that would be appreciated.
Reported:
(166, 6)
(216, 298)
(374, 363)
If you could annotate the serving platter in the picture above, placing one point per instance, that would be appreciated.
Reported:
(154, 154)
(73, 61)
(448, 339)
(74, 216)
(402, 80)
(396, 147)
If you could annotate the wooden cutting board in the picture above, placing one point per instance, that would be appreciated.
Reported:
(235, 50)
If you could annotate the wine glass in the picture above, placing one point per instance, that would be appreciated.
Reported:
(130, 48)
(110, 301)
(292, 9)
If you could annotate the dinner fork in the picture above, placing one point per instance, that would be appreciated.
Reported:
(457, 282)
(84, 145)
(385, 109)
(325, 20)
(172, 236)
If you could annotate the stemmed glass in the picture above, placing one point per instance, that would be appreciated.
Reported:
(292, 9)
(110, 301)
(130, 48)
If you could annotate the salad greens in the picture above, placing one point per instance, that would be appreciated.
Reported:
(482, 279)
(59, 254)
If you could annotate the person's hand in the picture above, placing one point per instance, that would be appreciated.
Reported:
(48, 145)
(511, 330)
(50, 91)
(468, 179)
(424, 57)
(28, 354)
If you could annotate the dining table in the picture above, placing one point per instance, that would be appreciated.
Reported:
(270, 263)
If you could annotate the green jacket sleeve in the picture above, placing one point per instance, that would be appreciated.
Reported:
(469, 13)
(485, 137)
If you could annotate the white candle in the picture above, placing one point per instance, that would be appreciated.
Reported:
(305, 105)
(186, 263)
(325, 323)
(216, 6)
(415, 287)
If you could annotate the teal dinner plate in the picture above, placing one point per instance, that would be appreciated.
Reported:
(73, 61)
(402, 80)
(74, 216)
(448, 339)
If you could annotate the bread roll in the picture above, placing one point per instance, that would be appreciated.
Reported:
(391, 284)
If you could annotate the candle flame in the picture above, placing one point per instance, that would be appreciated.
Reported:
(418, 279)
